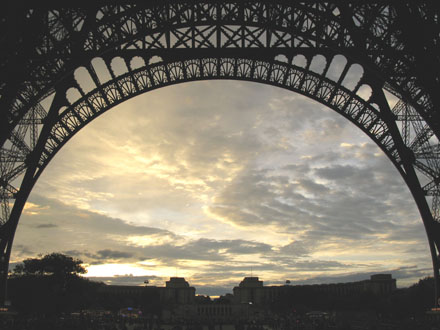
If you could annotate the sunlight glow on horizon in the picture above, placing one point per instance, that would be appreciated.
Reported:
(115, 270)
(132, 270)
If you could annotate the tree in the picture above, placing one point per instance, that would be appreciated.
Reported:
(50, 284)
(56, 264)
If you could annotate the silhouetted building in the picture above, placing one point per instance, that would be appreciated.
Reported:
(177, 291)
(378, 284)
(249, 299)
(251, 289)
(381, 283)
(128, 290)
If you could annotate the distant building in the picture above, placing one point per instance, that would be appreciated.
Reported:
(382, 283)
(222, 312)
(378, 284)
(249, 299)
(251, 290)
(176, 292)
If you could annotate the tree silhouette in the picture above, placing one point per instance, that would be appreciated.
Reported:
(50, 284)
(57, 264)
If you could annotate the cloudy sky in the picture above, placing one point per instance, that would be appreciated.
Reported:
(218, 180)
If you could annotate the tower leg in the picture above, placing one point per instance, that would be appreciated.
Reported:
(4, 268)
(436, 272)
(3, 279)
(433, 243)
(7, 230)
(7, 233)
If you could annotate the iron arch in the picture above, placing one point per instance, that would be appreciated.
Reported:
(181, 41)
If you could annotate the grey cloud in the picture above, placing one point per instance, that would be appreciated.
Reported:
(297, 249)
(336, 172)
(23, 251)
(69, 217)
(284, 264)
(76, 229)
(411, 272)
(324, 157)
(73, 253)
(207, 249)
(410, 232)
(313, 187)
(97, 231)
(358, 208)
(237, 216)
(46, 225)
(246, 247)
(320, 265)
(301, 169)
(99, 256)
(269, 202)
(111, 254)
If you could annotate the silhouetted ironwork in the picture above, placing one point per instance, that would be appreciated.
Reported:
(63, 65)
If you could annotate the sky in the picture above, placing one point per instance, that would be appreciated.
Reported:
(217, 180)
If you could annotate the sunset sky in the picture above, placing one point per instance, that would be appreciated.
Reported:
(217, 180)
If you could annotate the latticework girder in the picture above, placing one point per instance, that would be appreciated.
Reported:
(48, 53)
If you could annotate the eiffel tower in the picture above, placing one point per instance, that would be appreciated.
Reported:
(126, 48)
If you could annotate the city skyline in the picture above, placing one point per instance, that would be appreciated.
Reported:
(215, 178)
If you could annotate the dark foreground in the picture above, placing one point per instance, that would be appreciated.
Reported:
(112, 322)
